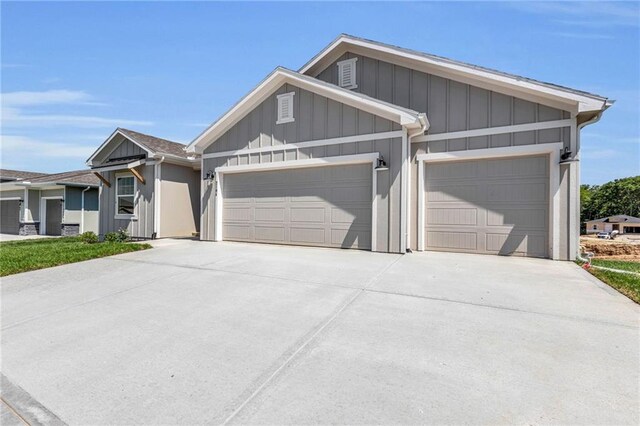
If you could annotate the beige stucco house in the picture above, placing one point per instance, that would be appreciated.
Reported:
(622, 223)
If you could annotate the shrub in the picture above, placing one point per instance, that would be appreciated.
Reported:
(89, 237)
(120, 236)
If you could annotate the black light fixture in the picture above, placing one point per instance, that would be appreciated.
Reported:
(210, 176)
(382, 165)
(565, 154)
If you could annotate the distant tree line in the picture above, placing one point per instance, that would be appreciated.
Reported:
(620, 196)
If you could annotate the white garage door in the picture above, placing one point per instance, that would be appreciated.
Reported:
(320, 206)
(9, 216)
(498, 206)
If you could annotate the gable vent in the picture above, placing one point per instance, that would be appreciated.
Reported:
(347, 73)
(285, 108)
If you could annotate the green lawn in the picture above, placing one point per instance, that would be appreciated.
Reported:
(627, 284)
(28, 255)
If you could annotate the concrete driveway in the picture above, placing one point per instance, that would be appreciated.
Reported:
(202, 333)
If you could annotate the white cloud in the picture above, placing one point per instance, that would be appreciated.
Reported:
(18, 145)
(15, 104)
(49, 97)
(586, 14)
(13, 117)
(582, 36)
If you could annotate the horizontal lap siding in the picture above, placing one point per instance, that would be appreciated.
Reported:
(316, 117)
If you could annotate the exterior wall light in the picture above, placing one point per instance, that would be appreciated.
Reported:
(382, 165)
(210, 176)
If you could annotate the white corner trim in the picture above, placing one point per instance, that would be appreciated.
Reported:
(25, 204)
(308, 144)
(495, 130)
(551, 149)
(371, 157)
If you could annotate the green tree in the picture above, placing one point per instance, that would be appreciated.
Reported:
(620, 196)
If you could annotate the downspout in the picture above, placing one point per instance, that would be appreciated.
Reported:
(158, 190)
(424, 126)
(82, 210)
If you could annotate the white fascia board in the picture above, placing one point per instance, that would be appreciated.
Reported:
(584, 103)
(281, 76)
(116, 132)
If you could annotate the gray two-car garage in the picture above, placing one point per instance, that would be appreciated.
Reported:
(320, 206)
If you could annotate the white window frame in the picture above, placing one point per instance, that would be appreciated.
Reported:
(135, 196)
(290, 118)
(352, 63)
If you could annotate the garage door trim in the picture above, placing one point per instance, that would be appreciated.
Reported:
(220, 172)
(552, 150)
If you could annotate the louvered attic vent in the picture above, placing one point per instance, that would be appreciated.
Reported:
(347, 73)
(285, 108)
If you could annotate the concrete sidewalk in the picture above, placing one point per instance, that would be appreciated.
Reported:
(193, 333)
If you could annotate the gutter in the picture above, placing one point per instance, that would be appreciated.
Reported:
(424, 126)
(157, 189)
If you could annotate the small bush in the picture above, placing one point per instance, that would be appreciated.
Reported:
(89, 237)
(120, 236)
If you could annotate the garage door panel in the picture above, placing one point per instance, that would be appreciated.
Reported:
(308, 214)
(497, 206)
(522, 217)
(269, 233)
(519, 244)
(9, 216)
(517, 192)
(452, 240)
(308, 236)
(452, 216)
(269, 214)
(325, 206)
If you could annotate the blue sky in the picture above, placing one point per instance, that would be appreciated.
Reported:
(72, 72)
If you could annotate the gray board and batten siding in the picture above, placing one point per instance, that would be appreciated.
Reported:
(316, 118)
(453, 106)
(142, 225)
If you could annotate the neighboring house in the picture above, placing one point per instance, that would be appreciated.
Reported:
(149, 186)
(381, 148)
(622, 223)
(48, 204)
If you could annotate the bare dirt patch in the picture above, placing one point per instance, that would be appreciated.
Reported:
(611, 249)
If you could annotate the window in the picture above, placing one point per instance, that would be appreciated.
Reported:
(125, 196)
(347, 73)
(595, 226)
(285, 108)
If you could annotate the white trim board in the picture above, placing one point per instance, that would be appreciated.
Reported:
(371, 157)
(551, 149)
(309, 144)
(495, 130)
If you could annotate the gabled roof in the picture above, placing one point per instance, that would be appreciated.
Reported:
(584, 101)
(77, 177)
(280, 76)
(621, 218)
(154, 146)
(6, 174)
